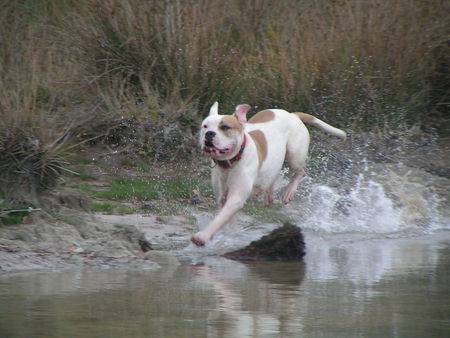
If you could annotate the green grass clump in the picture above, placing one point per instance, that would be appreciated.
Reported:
(84, 188)
(272, 213)
(124, 210)
(85, 176)
(150, 189)
(11, 215)
(123, 189)
(12, 219)
(106, 207)
(110, 208)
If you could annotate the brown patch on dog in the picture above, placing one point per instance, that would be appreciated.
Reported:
(261, 144)
(262, 116)
(309, 119)
(233, 123)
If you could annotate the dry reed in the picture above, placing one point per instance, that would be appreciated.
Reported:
(66, 65)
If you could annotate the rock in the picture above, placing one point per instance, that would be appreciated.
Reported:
(282, 244)
(130, 234)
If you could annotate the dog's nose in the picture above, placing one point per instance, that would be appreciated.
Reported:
(209, 135)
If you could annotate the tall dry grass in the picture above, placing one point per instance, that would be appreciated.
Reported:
(68, 68)
(367, 61)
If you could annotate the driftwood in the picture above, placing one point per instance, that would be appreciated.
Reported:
(282, 244)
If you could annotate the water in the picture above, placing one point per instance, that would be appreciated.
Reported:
(377, 265)
(361, 288)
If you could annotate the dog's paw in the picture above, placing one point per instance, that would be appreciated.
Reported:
(288, 197)
(200, 239)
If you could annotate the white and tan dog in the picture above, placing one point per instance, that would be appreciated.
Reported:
(249, 156)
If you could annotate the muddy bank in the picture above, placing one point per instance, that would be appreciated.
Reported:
(85, 240)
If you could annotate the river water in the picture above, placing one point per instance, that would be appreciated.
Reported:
(376, 266)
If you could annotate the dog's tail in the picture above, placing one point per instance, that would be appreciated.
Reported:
(314, 121)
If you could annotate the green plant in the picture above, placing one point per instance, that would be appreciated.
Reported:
(124, 210)
(110, 208)
(106, 207)
(122, 189)
(28, 161)
(152, 188)
(84, 188)
(267, 214)
(13, 214)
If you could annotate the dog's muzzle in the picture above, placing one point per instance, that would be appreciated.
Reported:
(210, 149)
(209, 136)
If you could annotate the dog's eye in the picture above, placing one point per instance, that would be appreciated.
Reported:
(205, 126)
(225, 127)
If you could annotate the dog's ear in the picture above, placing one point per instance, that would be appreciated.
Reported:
(214, 110)
(241, 112)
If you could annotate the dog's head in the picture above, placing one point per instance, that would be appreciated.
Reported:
(221, 135)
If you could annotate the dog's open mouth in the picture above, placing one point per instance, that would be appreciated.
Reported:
(211, 150)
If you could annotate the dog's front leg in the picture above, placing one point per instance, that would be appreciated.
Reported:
(233, 204)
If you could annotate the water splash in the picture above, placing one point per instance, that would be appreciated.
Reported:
(367, 207)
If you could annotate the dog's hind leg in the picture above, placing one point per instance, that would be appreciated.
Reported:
(291, 188)
(296, 153)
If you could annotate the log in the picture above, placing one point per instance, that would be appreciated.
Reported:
(282, 244)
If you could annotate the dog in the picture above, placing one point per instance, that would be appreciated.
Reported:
(248, 157)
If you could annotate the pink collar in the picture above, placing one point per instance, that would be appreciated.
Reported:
(226, 164)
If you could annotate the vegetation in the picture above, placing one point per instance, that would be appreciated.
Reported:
(160, 194)
(138, 75)
(146, 189)
(11, 216)
(110, 208)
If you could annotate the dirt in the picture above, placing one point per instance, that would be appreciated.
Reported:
(85, 240)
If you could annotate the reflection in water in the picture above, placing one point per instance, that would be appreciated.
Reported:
(362, 260)
(250, 308)
(346, 287)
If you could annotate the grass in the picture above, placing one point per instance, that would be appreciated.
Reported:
(163, 196)
(156, 60)
(110, 208)
(177, 189)
(84, 188)
(150, 189)
(272, 213)
(12, 219)
(168, 193)
(105, 207)
(12, 214)
(124, 210)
